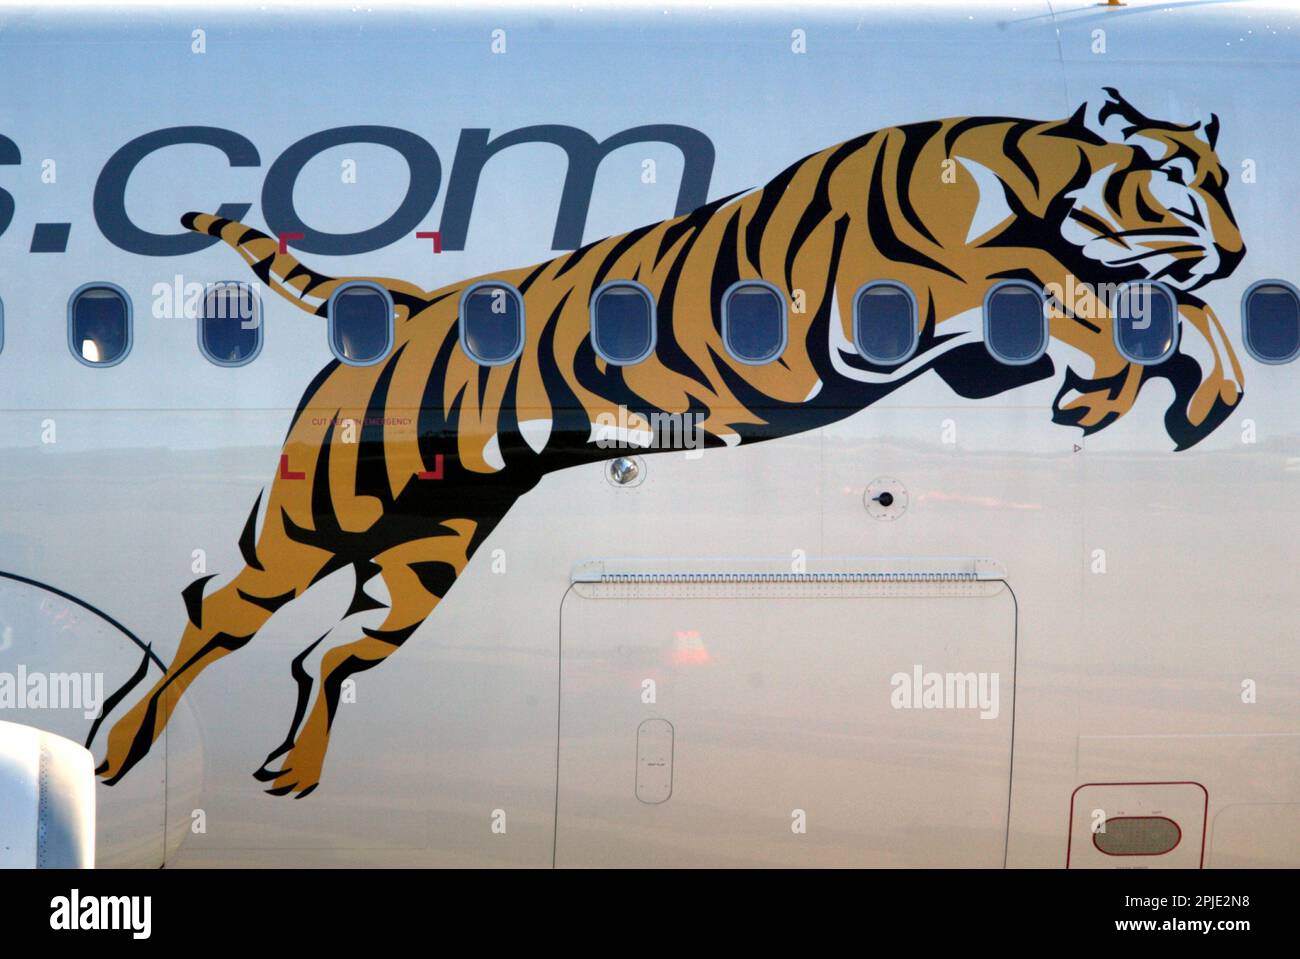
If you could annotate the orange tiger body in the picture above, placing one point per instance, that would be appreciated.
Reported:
(442, 447)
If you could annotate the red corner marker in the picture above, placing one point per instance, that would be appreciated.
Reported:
(285, 238)
(435, 473)
(285, 472)
(433, 235)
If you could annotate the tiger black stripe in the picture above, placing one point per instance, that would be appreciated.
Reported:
(1084, 199)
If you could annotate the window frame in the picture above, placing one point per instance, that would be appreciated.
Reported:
(2, 325)
(1175, 322)
(654, 320)
(1038, 291)
(916, 322)
(460, 322)
(130, 322)
(257, 310)
(1245, 325)
(725, 322)
(391, 327)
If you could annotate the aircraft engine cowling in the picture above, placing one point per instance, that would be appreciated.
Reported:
(47, 800)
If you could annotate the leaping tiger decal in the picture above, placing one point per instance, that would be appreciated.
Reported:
(1106, 195)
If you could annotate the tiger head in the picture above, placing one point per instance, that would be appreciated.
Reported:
(1103, 198)
(1149, 203)
(1154, 206)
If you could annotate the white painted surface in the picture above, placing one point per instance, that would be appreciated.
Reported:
(1135, 674)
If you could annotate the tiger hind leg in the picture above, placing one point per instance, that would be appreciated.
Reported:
(418, 575)
(218, 625)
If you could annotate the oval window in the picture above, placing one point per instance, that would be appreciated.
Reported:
(1271, 321)
(1137, 836)
(99, 324)
(492, 323)
(885, 322)
(1015, 322)
(360, 322)
(1145, 318)
(753, 322)
(230, 327)
(622, 322)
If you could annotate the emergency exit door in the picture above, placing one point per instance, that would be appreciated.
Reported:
(735, 713)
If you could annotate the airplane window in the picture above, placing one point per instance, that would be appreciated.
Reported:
(1145, 317)
(622, 322)
(361, 323)
(885, 323)
(230, 327)
(1271, 321)
(1015, 322)
(99, 324)
(754, 321)
(492, 323)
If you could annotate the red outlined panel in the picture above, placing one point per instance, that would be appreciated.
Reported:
(1181, 802)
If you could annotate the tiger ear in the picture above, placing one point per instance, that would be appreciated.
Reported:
(1109, 116)
(1210, 131)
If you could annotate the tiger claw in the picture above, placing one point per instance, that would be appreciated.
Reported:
(264, 775)
(294, 786)
(284, 783)
(283, 780)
